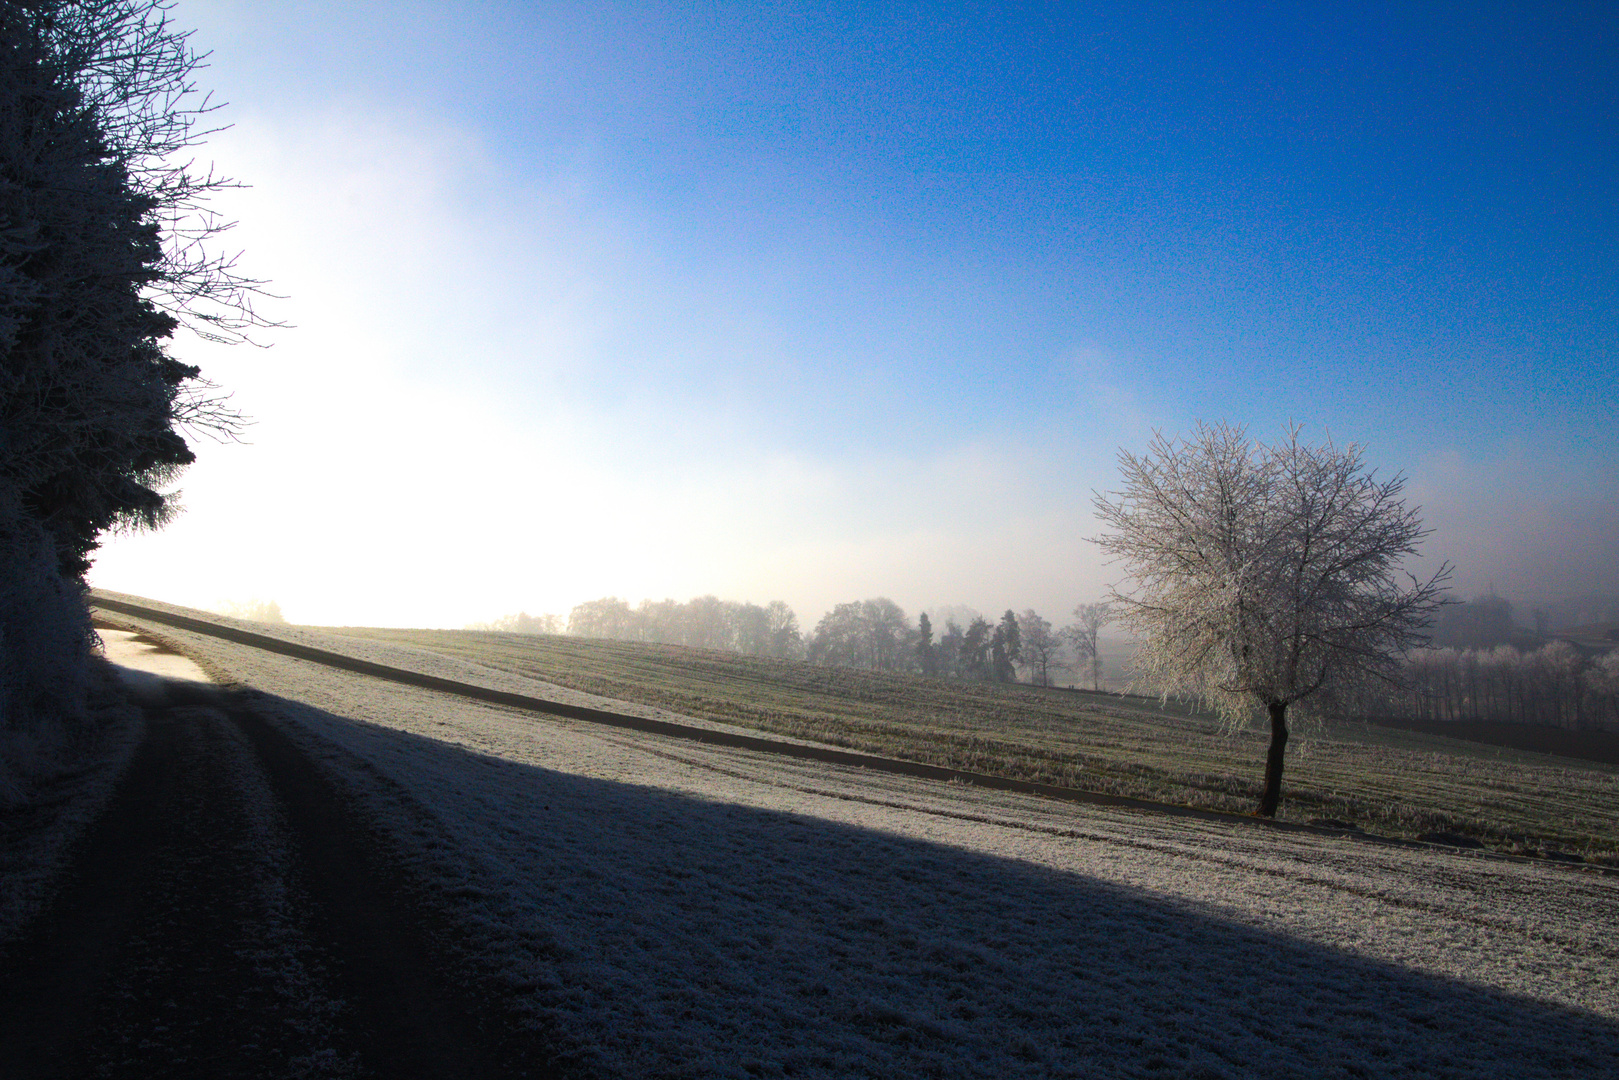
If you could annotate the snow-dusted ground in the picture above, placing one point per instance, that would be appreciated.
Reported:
(53, 785)
(669, 909)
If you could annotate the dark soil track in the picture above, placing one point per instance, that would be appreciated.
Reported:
(1602, 746)
(231, 915)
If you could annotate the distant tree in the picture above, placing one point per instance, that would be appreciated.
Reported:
(873, 634)
(264, 611)
(887, 634)
(1264, 574)
(538, 624)
(704, 622)
(1013, 635)
(1041, 646)
(1603, 686)
(708, 623)
(1084, 636)
(608, 617)
(974, 650)
(1562, 669)
(951, 649)
(750, 629)
(1006, 648)
(661, 621)
(521, 623)
(781, 624)
(926, 656)
(1558, 685)
(839, 637)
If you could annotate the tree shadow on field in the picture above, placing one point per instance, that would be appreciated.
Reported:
(662, 934)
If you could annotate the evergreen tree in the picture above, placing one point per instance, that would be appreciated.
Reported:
(1007, 648)
(975, 647)
(951, 649)
(102, 258)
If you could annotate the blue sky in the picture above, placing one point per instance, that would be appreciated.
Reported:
(820, 302)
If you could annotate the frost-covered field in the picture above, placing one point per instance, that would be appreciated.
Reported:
(1387, 781)
(669, 909)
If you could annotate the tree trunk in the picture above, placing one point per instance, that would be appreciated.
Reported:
(1273, 759)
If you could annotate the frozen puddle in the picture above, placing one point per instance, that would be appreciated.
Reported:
(145, 666)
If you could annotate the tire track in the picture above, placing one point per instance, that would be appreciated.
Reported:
(230, 913)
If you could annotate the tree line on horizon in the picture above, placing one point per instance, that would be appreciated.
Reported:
(873, 635)
(1557, 685)
(876, 635)
(705, 622)
(1482, 664)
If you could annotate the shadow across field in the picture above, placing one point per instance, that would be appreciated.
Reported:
(663, 934)
(228, 916)
(1387, 782)
(810, 752)
(1099, 748)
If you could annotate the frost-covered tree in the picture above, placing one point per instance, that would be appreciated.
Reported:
(785, 639)
(609, 617)
(1040, 646)
(104, 254)
(1084, 636)
(1263, 575)
(1558, 684)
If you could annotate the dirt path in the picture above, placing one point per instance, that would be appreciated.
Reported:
(231, 915)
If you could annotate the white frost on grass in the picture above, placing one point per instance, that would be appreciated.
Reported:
(420, 661)
(670, 909)
(274, 936)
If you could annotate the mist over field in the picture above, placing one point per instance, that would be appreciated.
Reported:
(632, 301)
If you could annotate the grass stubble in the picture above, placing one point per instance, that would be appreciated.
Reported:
(1384, 780)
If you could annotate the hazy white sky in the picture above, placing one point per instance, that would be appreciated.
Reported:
(772, 302)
